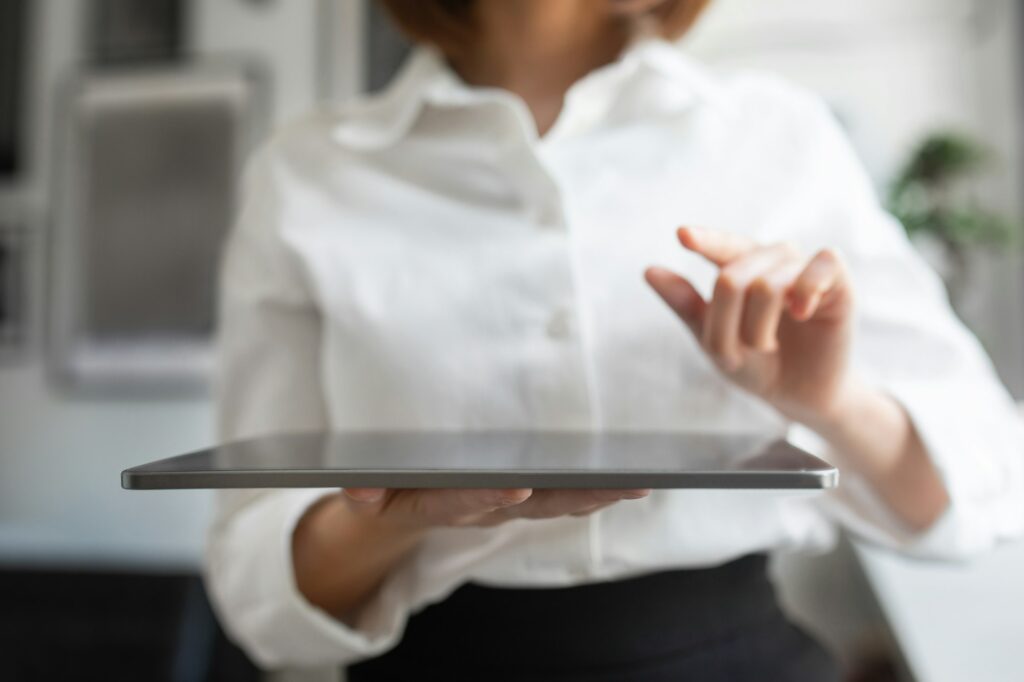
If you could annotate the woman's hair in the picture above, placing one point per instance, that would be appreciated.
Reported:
(448, 23)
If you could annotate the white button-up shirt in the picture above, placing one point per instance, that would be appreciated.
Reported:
(422, 259)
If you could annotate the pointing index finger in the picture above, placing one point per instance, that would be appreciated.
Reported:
(720, 248)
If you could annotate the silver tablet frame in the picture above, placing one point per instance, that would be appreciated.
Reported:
(778, 466)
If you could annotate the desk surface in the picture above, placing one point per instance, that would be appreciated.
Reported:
(954, 622)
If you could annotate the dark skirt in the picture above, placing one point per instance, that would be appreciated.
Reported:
(714, 624)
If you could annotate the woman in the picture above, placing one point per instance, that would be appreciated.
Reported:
(468, 250)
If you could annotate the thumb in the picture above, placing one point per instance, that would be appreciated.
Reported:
(681, 296)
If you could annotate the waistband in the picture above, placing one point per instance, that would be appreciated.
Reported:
(608, 623)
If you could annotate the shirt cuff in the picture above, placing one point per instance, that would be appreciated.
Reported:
(252, 577)
(975, 439)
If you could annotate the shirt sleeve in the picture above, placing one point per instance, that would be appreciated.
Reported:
(909, 343)
(269, 381)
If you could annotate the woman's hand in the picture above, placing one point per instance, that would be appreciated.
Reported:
(345, 545)
(778, 323)
(418, 509)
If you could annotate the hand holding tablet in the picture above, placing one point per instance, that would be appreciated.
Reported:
(420, 508)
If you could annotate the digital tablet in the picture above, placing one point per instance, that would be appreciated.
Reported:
(492, 459)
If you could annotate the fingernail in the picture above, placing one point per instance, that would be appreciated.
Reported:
(653, 271)
(360, 495)
(796, 307)
(802, 309)
(509, 498)
(688, 231)
(636, 494)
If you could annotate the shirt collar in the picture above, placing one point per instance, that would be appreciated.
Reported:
(426, 79)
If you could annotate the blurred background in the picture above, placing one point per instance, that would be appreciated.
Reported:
(123, 127)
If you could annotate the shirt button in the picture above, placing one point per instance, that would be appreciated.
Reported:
(560, 324)
(578, 572)
(550, 217)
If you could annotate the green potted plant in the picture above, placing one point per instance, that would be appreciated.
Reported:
(932, 196)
